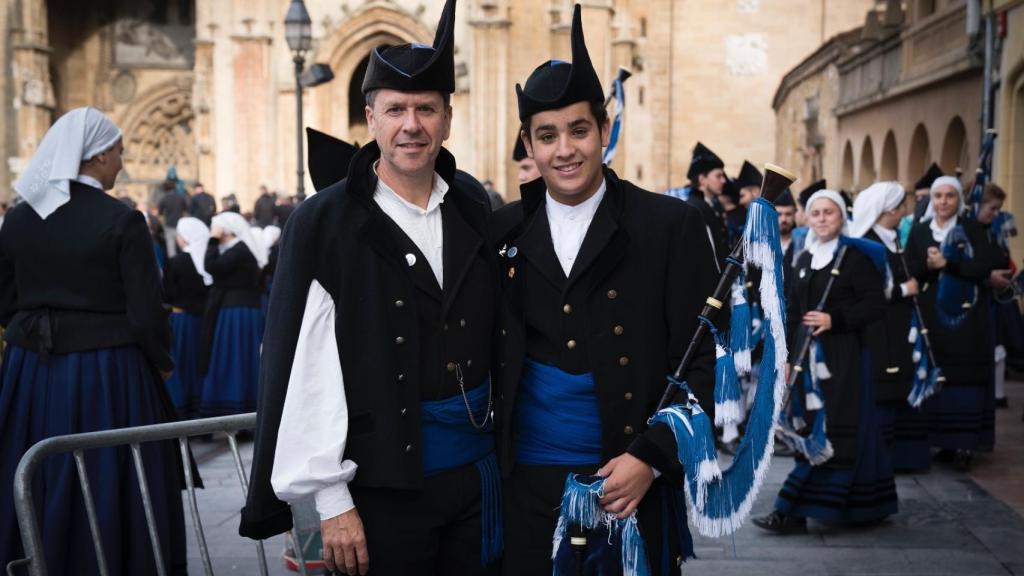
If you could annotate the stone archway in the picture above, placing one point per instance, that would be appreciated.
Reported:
(158, 133)
(954, 147)
(890, 158)
(846, 181)
(346, 49)
(920, 154)
(867, 174)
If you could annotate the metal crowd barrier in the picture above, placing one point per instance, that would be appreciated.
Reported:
(28, 524)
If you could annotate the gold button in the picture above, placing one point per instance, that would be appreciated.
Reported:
(612, 294)
(570, 344)
(400, 340)
(623, 361)
(451, 366)
(567, 308)
(628, 395)
(627, 430)
(399, 303)
(462, 322)
(408, 448)
(618, 330)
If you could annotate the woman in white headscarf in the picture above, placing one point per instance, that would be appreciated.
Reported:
(877, 213)
(271, 235)
(88, 341)
(842, 475)
(233, 322)
(951, 258)
(186, 284)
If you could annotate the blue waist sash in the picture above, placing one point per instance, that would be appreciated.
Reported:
(556, 417)
(449, 439)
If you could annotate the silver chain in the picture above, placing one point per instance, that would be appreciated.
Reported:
(469, 409)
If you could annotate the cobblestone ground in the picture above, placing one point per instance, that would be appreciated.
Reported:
(948, 523)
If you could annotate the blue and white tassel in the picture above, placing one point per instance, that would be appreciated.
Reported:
(927, 379)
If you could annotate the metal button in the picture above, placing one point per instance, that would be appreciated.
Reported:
(451, 366)
(570, 344)
(627, 430)
(624, 361)
(567, 308)
(469, 363)
(400, 340)
(399, 303)
(408, 448)
(612, 294)
(462, 322)
(403, 411)
(628, 395)
(618, 330)
(401, 377)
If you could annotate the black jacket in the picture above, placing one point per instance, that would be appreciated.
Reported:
(183, 286)
(630, 305)
(888, 340)
(714, 222)
(84, 278)
(400, 336)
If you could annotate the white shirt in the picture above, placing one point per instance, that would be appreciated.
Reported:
(939, 232)
(423, 227)
(569, 225)
(822, 252)
(887, 236)
(89, 181)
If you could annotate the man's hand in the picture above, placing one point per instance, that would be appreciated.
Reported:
(1000, 279)
(627, 479)
(820, 321)
(345, 544)
(911, 288)
(936, 261)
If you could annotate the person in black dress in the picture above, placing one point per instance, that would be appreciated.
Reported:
(88, 343)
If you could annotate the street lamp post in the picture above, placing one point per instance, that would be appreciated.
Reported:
(298, 34)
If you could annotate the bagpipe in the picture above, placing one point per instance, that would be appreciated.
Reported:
(718, 500)
(927, 378)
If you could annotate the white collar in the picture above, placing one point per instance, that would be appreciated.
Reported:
(584, 210)
(887, 236)
(437, 194)
(939, 232)
(822, 252)
(89, 181)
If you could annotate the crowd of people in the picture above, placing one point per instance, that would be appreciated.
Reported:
(430, 366)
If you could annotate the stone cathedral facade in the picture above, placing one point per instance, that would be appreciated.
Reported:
(208, 85)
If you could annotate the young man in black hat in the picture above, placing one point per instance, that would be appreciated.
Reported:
(707, 181)
(378, 345)
(603, 282)
(526, 168)
(749, 182)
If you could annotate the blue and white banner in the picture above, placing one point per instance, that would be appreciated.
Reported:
(620, 105)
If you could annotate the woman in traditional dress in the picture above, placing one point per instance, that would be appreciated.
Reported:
(186, 283)
(233, 323)
(88, 342)
(952, 258)
(853, 485)
(877, 212)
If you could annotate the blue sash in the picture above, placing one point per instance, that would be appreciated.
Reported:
(556, 417)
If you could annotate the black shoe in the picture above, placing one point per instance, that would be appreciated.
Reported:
(945, 455)
(962, 460)
(780, 523)
(1002, 402)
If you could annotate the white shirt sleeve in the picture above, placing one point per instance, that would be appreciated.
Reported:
(314, 421)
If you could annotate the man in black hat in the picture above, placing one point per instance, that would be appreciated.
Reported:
(749, 183)
(377, 351)
(707, 180)
(602, 283)
(526, 168)
(922, 190)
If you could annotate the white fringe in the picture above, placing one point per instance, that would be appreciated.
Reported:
(813, 401)
(741, 358)
(912, 335)
(821, 371)
(916, 356)
(727, 413)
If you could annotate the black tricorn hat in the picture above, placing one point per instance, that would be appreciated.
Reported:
(784, 199)
(416, 67)
(556, 84)
(805, 194)
(731, 189)
(749, 176)
(328, 158)
(703, 161)
(519, 149)
(933, 173)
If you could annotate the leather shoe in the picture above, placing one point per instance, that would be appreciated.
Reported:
(781, 523)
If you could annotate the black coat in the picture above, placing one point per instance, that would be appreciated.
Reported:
(855, 302)
(90, 268)
(633, 296)
(715, 223)
(399, 334)
(964, 353)
(183, 286)
(888, 341)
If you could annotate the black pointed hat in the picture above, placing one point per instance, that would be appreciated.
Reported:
(784, 199)
(556, 84)
(328, 158)
(703, 161)
(416, 67)
(805, 194)
(933, 173)
(749, 176)
(519, 149)
(731, 189)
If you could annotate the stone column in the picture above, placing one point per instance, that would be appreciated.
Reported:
(202, 104)
(491, 93)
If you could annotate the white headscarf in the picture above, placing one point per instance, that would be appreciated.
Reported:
(74, 138)
(236, 224)
(871, 203)
(821, 252)
(929, 212)
(196, 236)
(271, 234)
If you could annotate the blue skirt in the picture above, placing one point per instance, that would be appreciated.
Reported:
(83, 392)
(962, 418)
(231, 382)
(905, 432)
(186, 384)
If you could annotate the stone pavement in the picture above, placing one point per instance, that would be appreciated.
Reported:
(947, 524)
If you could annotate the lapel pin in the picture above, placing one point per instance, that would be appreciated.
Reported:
(512, 252)
(512, 272)
(410, 258)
